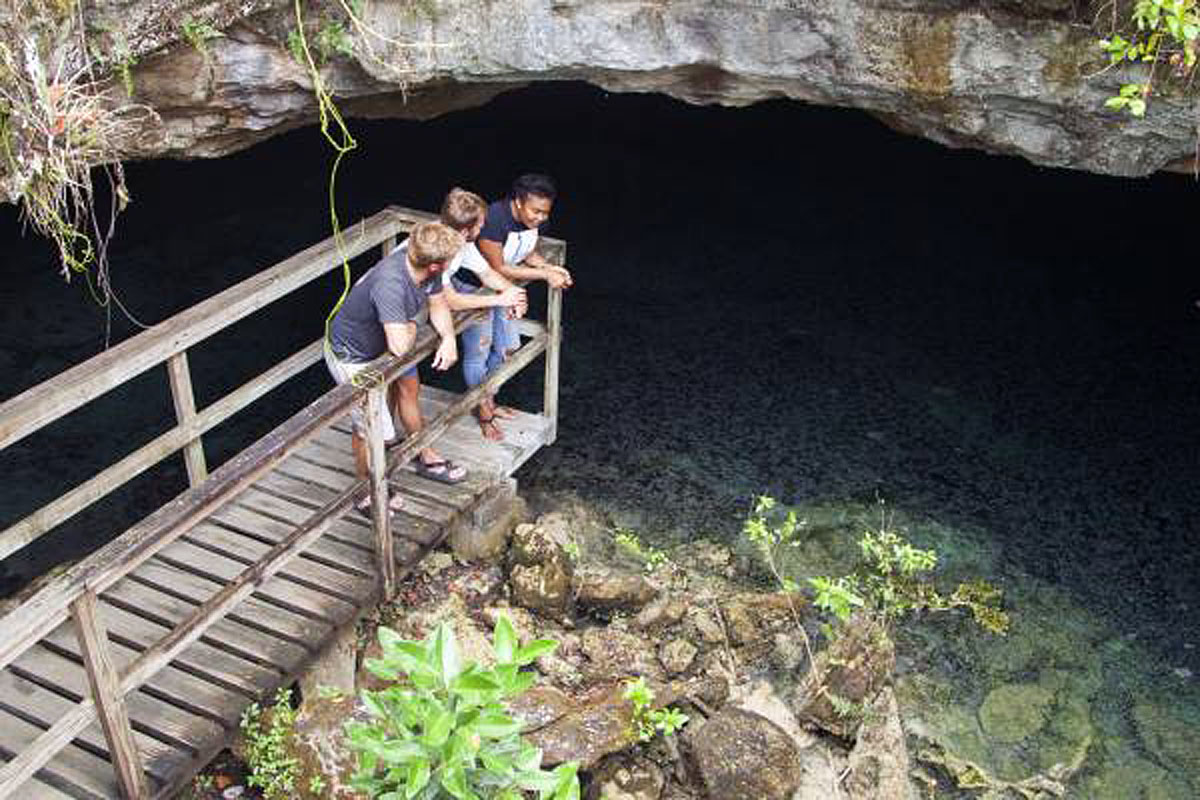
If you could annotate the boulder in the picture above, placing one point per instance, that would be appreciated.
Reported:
(610, 590)
(599, 723)
(739, 754)
(751, 618)
(663, 612)
(626, 777)
(540, 572)
(677, 656)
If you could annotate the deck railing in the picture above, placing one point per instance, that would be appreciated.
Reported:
(73, 595)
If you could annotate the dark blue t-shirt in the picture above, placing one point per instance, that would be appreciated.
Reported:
(385, 293)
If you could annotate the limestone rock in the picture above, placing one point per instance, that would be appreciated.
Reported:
(677, 656)
(600, 723)
(846, 676)
(1013, 712)
(610, 590)
(706, 626)
(737, 753)
(319, 743)
(751, 618)
(623, 777)
(540, 572)
(661, 613)
(879, 763)
(615, 653)
(997, 75)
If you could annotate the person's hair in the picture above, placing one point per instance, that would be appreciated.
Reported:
(432, 242)
(534, 183)
(462, 209)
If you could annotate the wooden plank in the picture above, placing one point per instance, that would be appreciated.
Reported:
(350, 588)
(289, 510)
(49, 400)
(257, 613)
(92, 636)
(337, 480)
(148, 714)
(287, 593)
(202, 660)
(404, 525)
(31, 527)
(41, 707)
(228, 634)
(171, 684)
(381, 517)
(73, 770)
(247, 518)
(185, 411)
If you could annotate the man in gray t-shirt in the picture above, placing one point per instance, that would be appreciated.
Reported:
(381, 314)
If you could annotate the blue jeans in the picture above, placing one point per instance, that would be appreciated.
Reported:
(485, 344)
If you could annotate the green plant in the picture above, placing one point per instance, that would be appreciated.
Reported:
(647, 720)
(893, 580)
(440, 730)
(267, 733)
(651, 557)
(1163, 36)
(197, 33)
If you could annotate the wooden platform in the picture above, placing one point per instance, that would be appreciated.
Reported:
(186, 713)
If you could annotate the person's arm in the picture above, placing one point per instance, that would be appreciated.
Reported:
(493, 253)
(400, 337)
(507, 295)
(443, 323)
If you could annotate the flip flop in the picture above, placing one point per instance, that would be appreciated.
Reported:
(441, 471)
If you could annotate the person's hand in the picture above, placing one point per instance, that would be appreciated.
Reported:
(446, 355)
(512, 296)
(558, 277)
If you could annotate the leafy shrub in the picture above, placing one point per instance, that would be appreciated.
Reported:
(1163, 39)
(441, 731)
(267, 733)
(648, 721)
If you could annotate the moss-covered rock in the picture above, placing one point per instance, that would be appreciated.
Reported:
(1013, 712)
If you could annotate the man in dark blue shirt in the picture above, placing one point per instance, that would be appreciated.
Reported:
(507, 245)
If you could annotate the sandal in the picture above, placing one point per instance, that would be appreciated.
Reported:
(443, 471)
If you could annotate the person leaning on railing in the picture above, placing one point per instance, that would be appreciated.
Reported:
(380, 314)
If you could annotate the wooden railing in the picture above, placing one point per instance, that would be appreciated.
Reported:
(74, 593)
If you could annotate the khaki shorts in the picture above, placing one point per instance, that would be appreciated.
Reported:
(344, 372)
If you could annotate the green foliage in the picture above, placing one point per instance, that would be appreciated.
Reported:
(1162, 37)
(648, 721)
(892, 580)
(441, 731)
(331, 38)
(197, 33)
(267, 734)
(651, 557)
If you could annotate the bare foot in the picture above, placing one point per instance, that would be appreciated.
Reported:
(490, 430)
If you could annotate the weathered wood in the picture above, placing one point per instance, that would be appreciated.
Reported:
(151, 715)
(300, 467)
(71, 389)
(74, 771)
(381, 517)
(108, 697)
(185, 412)
(41, 707)
(282, 511)
(553, 348)
(258, 613)
(247, 517)
(31, 527)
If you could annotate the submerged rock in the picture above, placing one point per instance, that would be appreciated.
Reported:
(1014, 712)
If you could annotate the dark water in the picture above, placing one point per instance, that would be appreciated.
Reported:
(780, 298)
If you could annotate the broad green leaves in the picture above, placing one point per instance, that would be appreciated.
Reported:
(1165, 40)
(441, 731)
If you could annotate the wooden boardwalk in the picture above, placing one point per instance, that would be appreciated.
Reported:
(184, 714)
(124, 675)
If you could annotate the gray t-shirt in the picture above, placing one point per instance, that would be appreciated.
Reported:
(385, 293)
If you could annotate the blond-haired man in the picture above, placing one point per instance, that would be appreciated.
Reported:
(381, 314)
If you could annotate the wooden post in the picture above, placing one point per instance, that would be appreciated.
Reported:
(106, 694)
(385, 249)
(380, 510)
(553, 347)
(185, 412)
